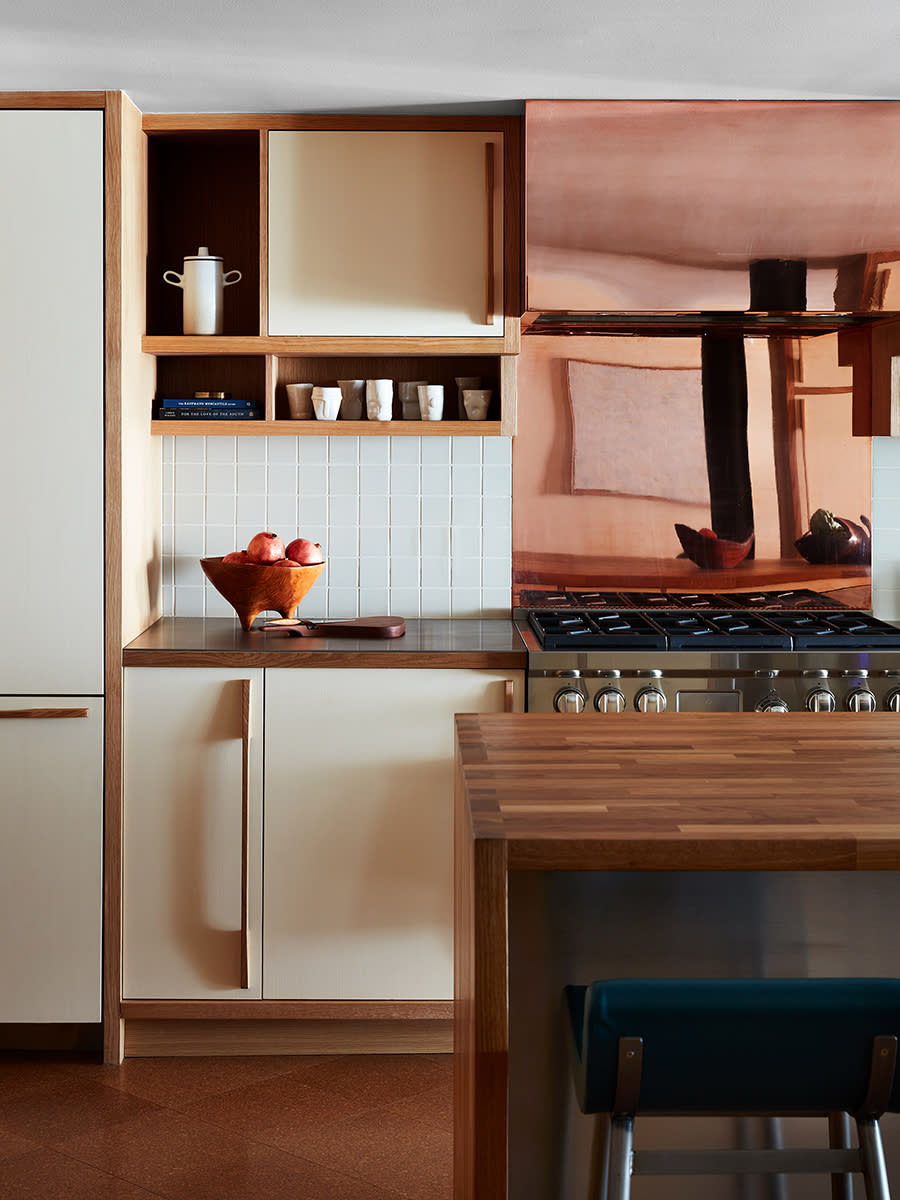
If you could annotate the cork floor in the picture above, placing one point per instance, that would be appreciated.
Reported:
(348, 1127)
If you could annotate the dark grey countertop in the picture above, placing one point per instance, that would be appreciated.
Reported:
(220, 641)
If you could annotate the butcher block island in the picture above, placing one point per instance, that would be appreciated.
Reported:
(582, 844)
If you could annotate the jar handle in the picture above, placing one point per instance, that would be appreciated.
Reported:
(227, 280)
(176, 279)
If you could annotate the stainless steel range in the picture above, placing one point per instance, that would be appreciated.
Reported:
(609, 652)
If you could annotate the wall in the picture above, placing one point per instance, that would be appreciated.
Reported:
(886, 528)
(416, 527)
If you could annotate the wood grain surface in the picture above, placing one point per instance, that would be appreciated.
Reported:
(713, 791)
(635, 791)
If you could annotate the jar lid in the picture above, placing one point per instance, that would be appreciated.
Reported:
(212, 395)
(203, 252)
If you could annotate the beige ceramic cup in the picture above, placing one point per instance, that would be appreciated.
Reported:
(431, 401)
(326, 402)
(409, 399)
(379, 399)
(353, 392)
(476, 403)
(300, 401)
(466, 381)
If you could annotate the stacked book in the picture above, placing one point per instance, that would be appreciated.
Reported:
(205, 408)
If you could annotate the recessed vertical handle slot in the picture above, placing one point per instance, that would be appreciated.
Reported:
(245, 833)
(489, 188)
(509, 695)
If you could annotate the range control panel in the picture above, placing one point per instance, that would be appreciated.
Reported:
(670, 686)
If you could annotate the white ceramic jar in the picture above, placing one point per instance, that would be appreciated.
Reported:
(203, 284)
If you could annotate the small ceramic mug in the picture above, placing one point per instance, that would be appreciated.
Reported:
(431, 401)
(326, 402)
(352, 397)
(409, 399)
(462, 383)
(300, 401)
(476, 403)
(379, 399)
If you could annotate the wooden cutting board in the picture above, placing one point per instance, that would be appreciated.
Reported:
(360, 627)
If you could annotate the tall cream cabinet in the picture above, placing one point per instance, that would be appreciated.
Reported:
(344, 778)
(51, 386)
(52, 533)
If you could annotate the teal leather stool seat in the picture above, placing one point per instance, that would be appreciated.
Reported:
(772, 1047)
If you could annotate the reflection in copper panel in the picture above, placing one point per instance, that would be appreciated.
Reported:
(712, 206)
(688, 465)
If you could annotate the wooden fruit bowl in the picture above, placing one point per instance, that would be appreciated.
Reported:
(251, 589)
(711, 552)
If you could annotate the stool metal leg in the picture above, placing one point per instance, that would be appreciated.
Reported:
(619, 1177)
(872, 1152)
(597, 1189)
(839, 1139)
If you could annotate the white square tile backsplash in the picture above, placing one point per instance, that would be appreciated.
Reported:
(404, 521)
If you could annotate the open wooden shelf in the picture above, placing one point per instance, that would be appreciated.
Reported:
(329, 428)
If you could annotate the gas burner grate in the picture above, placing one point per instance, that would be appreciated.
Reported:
(720, 631)
(792, 599)
(532, 599)
(597, 599)
(845, 630)
(567, 629)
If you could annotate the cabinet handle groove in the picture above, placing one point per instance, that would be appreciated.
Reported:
(41, 714)
(509, 695)
(489, 191)
(245, 832)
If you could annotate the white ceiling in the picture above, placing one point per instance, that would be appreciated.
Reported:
(453, 56)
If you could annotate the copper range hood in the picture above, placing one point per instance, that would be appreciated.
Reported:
(768, 217)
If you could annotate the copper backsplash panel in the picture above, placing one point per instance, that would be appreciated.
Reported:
(799, 450)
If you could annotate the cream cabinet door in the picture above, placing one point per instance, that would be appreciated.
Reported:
(192, 834)
(51, 397)
(359, 829)
(385, 234)
(51, 858)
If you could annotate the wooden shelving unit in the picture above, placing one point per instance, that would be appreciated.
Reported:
(208, 186)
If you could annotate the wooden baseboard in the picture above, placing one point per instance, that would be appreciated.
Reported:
(175, 1036)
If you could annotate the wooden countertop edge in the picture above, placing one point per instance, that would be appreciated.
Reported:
(488, 660)
(800, 852)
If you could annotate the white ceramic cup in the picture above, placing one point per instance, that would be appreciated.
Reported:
(379, 399)
(409, 399)
(353, 393)
(431, 401)
(326, 402)
(476, 403)
(470, 382)
(300, 401)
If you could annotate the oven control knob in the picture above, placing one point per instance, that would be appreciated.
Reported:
(568, 700)
(820, 700)
(609, 699)
(650, 699)
(772, 703)
(861, 700)
(892, 700)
